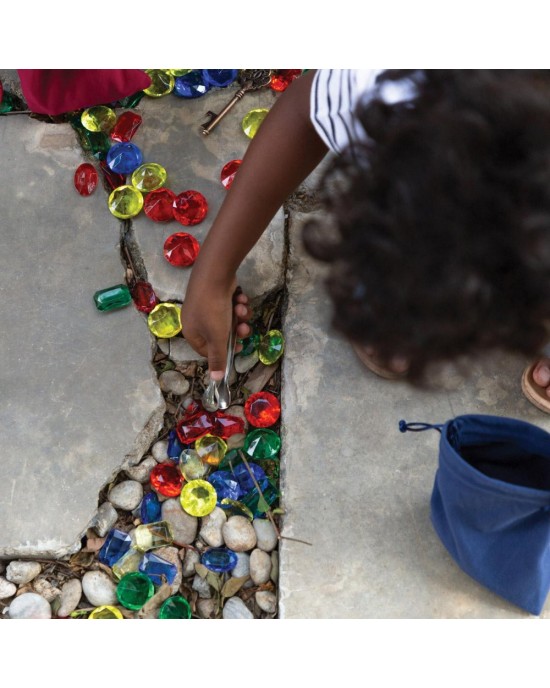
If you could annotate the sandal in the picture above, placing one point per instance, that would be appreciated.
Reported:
(534, 393)
(372, 364)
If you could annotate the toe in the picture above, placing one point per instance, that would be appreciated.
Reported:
(541, 372)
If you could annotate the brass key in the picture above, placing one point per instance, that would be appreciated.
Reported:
(250, 80)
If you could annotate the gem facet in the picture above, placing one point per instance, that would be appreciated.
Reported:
(190, 207)
(126, 126)
(156, 568)
(191, 465)
(282, 78)
(131, 101)
(111, 298)
(236, 508)
(198, 498)
(166, 479)
(85, 179)
(175, 447)
(191, 428)
(243, 477)
(106, 611)
(176, 607)
(123, 158)
(250, 344)
(230, 460)
(229, 170)
(211, 449)
(112, 179)
(225, 485)
(159, 205)
(127, 563)
(179, 72)
(144, 296)
(191, 85)
(116, 544)
(134, 589)
(262, 409)
(271, 347)
(162, 83)
(181, 249)
(150, 508)
(219, 559)
(226, 425)
(164, 320)
(252, 121)
(98, 118)
(125, 201)
(257, 504)
(219, 77)
(148, 177)
(152, 535)
(262, 443)
(7, 104)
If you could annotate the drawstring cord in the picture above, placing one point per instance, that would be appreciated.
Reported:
(418, 427)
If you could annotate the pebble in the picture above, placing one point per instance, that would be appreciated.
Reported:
(274, 575)
(171, 555)
(46, 589)
(243, 565)
(160, 451)
(71, 592)
(235, 608)
(126, 495)
(30, 605)
(206, 608)
(244, 363)
(265, 534)
(267, 601)
(191, 558)
(142, 472)
(98, 588)
(238, 534)
(21, 572)
(202, 587)
(211, 528)
(178, 349)
(7, 589)
(105, 519)
(2, 566)
(236, 441)
(260, 566)
(183, 524)
(174, 382)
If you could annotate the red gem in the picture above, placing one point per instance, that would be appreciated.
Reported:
(85, 179)
(181, 249)
(159, 205)
(126, 126)
(144, 296)
(282, 79)
(167, 479)
(262, 409)
(113, 179)
(191, 428)
(227, 425)
(190, 208)
(229, 170)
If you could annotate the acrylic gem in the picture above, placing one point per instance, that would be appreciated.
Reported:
(181, 249)
(85, 179)
(134, 590)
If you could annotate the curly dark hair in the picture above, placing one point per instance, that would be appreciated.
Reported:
(441, 245)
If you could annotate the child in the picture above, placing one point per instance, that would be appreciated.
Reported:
(438, 215)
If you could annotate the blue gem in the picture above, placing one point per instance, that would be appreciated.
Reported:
(150, 511)
(241, 474)
(115, 546)
(225, 485)
(219, 77)
(191, 85)
(124, 158)
(155, 567)
(219, 559)
(175, 447)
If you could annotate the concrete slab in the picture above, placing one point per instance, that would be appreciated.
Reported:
(358, 489)
(79, 396)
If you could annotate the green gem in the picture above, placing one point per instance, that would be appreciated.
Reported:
(271, 347)
(175, 608)
(148, 177)
(106, 611)
(252, 121)
(258, 504)
(7, 104)
(125, 201)
(162, 83)
(127, 563)
(131, 101)
(95, 141)
(153, 535)
(230, 460)
(134, 589)
(250, 344)
(262, 443)
(112, 298)
(98, 118)
(191, 465)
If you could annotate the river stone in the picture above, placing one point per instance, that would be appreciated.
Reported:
(236, 441)
(126, 495)
(71, 592)
(260, 566)
(30, 605)
(174, 382)
(265, 534)
(7, 589)
(235, 608)
(178, 350)
(183, 524)
(274, 575)
(105, 519)
(2, 566)
(142, 472)
(21, 572)
(191, 558)
(243, 565)
(98, 588)
(244, 363)
(160, 451)
(238, 534)
(267, 601)
(211, 528)
(171, 555)
(206, 608)
(47, 590)
(202, 587)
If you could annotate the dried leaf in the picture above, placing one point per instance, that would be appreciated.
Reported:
(278, 510)
(233, 585)
(94, 544)
(214, 580)
(151, 607)
(201, 570)
(259, 377)
(163, 366)
(82, 559)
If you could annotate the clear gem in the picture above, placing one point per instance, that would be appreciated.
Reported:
(191, 465)
(152, 535)
(127, 563)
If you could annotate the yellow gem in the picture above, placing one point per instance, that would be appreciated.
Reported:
(198, 498)
(191, 465)
(236, 508)
(252, 121)
(148, 177)
(153, 535)
(164, 320)
(125, 201)
(179, 72)
(106, 612)
(127, 563)
(162, 83)
(211, 449)
(98, 118)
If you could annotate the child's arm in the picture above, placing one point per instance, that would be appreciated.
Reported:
(282, 154)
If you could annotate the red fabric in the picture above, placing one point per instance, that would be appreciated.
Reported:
(55, 91)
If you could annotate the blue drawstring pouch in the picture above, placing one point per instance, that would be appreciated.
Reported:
(490, 503)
